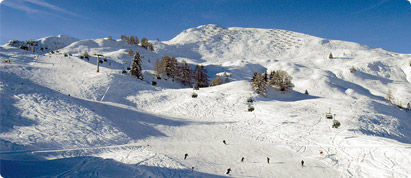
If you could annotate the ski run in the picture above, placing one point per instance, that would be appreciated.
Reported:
(60, 118)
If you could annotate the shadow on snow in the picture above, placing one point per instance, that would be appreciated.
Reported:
(90, 167)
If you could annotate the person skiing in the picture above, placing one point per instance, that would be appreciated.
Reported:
(302, 163)
(242, 159)
(224, 142)
(192, 169)
(185, 156)
(268, 160)
(228, 171)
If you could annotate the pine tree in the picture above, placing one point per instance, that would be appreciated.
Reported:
(265, 76)
(353, 69)
(254, 77)
(218, 80)
(150, 47)
(200, 76)
(131, 40)
(330, 56)
(123, 37)
(157, 68)
(197, 75)
(204, 77)
(185, 73)
(130, 52)
(86, 55)
(212, 82)
(174, 71)
(136, 68)
(259, 84)
(281, 80)
(166, 65)
(389, 97)
(163, 65)
(226, 78)
(144, 43)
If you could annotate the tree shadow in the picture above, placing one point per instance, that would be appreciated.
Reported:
(134, 124)
(402, 123)
(366, 76)
(343, 85)
(10, 115)
(285, 96)
(90, 167)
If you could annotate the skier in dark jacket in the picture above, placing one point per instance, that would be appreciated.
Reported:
(185, 156)
(224, 142)
(302, 163)
(268, 160)
(242, 159)
(228, 171)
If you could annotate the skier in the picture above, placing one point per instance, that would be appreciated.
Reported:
(268, 160)
(302, 163)
(185, 156)
(321, 152)
(242, 159)
(224, 142)
(192, 169)
(228, 171)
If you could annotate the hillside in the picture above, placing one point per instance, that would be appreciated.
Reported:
(59, 118)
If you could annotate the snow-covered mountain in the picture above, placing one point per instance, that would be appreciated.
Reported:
(46, 44)
(60, 118)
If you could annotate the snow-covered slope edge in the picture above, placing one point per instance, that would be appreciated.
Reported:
(45, 44)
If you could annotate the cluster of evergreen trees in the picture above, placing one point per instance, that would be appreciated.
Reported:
(147, 45)
(278, 79)
(219, 80)
(171, 68)
(133, 40)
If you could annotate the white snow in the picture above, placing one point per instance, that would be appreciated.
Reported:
(60, 118)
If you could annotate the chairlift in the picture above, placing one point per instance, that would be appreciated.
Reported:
(329, 115)
(194, 95)
(196, 87)
(250, 108)
(336, 124)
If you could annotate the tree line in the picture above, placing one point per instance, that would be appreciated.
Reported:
(182, 71)
(133, 40)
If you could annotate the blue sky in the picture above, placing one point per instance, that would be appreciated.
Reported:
(377, 23)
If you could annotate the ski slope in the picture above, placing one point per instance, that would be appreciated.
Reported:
(60, 118)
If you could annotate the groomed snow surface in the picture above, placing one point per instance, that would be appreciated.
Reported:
(60, 118)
